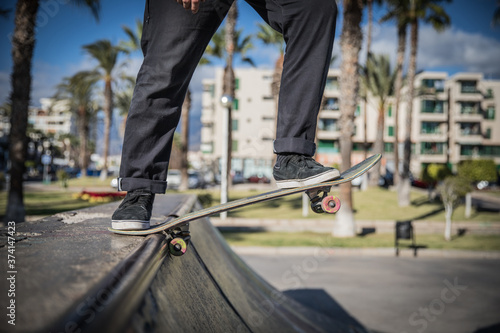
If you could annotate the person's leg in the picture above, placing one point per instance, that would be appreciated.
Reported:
(308, 28)
(173, 42)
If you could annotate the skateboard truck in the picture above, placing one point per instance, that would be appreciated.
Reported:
(321, 202)
(178, 240)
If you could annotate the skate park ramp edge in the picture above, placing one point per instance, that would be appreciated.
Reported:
(75, 276)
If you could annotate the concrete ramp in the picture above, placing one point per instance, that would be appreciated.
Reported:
(135, 285)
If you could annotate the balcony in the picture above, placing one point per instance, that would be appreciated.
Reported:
(328, 135)
(207, 118)
(470, 136)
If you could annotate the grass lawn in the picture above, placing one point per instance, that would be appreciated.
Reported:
(466, 242)
(46, 203)
(373, 204)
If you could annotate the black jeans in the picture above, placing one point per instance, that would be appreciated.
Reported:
(173, 42)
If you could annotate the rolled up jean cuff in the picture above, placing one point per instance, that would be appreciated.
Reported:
(294, 145)
(129, 184)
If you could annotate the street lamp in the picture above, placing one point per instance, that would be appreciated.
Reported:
(226, 102)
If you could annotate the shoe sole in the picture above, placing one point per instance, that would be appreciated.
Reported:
(322, 177)
(129, 225)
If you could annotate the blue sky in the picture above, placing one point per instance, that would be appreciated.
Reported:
(470, 44)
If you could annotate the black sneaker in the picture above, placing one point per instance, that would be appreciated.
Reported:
(299, 170)
(134, 212)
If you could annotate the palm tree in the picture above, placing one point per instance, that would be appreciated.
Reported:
(106, 54)
(431, 12)
(77, 90)
(23, 43)
(350, 44)
(123, 99)
(364, 95)
(398, 10)
(225, 44)
(378, 79)
(134, 37)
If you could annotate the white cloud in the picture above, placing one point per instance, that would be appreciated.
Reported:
(452, 49)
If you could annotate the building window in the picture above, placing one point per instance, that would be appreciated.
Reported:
(469, 108)
(358, 111)
(432, 106)
(328, 125)
(468, 87)
(390, 131)
(487, 135)
(236, 104)
(388, 147)
(489, 94)
(236, 84)
(234, 145)
(433, 84)
(467, 129)
(235, 124)
(328, 146)
(478, 150)
(331, 104)
(432, 148)
(389, 111)
(332, 83)
(489, 113)
(428, 127)
(210, 88)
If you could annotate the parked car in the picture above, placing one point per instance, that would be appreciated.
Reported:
(195, 180)
(238, 178)
(173, 179)
(259, 179)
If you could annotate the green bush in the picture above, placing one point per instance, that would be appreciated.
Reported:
(63, 177)
(436, 172)
(478, 170)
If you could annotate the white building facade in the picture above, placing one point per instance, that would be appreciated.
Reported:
(453, 119)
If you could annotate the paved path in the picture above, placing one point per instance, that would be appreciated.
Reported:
(393, 295)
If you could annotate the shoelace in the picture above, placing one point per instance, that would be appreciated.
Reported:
(302, 159)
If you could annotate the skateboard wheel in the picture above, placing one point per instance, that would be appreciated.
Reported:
(317, 207)
(330, 204)
(177, 246)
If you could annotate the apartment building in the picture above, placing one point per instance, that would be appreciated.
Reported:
(53, 117)
(453, 119)
(253, 128)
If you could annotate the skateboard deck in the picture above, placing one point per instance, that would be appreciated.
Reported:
(318, 193)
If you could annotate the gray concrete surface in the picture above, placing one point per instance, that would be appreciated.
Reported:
(70, 274)
(393, 295)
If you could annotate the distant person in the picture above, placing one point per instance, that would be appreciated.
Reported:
(174, 37)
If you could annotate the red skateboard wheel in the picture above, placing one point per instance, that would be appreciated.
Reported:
(330, 204)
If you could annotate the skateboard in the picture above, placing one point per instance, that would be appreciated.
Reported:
(178, 233)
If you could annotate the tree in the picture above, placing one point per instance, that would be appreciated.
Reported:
(23, 44)
(77, 90)
(431, 12)
(106, 55)
(452, 190)
(398, 10)
(225, 44)
(123, 99)
(369, 6)
(134, 37)
(378, 78)
(350, 44)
